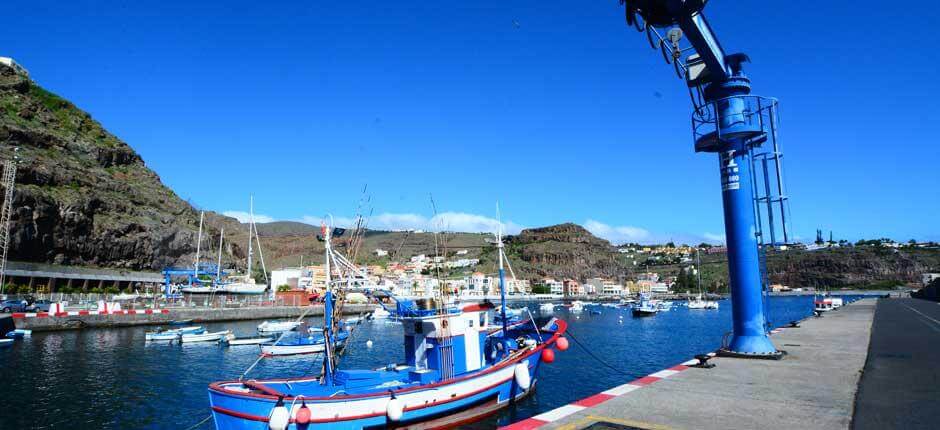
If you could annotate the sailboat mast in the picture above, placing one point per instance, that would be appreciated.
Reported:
(202, 216)
(698, 271)
(328, 311)
(218, 266)
(502, 272)
(251, 226)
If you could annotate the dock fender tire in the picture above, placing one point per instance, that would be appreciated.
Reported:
(522, 377)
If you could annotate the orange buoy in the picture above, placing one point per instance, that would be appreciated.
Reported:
(548, 355)
(562, 344)
(303, 415)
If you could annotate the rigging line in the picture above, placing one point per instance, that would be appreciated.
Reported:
(200, 423)
(599, 360)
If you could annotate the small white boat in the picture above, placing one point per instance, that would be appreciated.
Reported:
(547, 307)
(380, 313)
(172, 334)
(304, 345)
(256, 340)
(208, 289)
(577, 306)
(277, 326)
(244, 288)
(19, 333)
(204, 337)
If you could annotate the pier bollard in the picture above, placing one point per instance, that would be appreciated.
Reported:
(703, 362)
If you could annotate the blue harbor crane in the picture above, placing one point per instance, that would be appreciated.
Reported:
(742, 129)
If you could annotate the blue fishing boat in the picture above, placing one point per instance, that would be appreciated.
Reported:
(457, 369)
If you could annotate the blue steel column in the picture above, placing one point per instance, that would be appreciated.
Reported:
(734, 127)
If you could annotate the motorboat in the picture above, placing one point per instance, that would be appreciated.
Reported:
(547, 307)
(231, 340)
(172, 334)
(456, 369)
(663, 305)
(310, 343)
(204, 337)
(277, 326)
(19, 333)
(699, 303)
(576, 306)
(645, 307)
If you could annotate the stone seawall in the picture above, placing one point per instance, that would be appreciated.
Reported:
(71, 322)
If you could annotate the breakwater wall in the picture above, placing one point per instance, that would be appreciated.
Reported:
(49, 322)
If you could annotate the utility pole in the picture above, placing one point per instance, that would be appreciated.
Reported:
(8, 180)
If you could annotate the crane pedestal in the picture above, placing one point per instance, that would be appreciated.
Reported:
(731, 127)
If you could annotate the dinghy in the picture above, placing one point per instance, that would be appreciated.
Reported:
(277, 326)
(204, 337)
(254, 340)
(19, 333)
(172, 334)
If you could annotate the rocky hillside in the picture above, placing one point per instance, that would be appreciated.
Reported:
(565, 251)
(83, 196)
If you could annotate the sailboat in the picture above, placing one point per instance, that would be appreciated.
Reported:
(699, 302)
(246, 284)
(197, 287)
(457, 369)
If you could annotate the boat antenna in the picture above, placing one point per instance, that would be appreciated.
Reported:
(502, 272)
(202, 216)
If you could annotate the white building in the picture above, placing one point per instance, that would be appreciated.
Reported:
(287, 276)
(555, 287)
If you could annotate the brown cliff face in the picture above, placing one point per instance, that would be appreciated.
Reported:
(82, 195)
(566, 251)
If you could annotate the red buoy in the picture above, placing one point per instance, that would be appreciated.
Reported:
(548, 355)
(303, 415)
(562, 344)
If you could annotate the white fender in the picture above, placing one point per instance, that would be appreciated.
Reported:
(394, 409)
(521, 372)
(280, 418)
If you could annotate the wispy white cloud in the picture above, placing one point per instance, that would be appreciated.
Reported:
(245, 216)
(446, 221)
(617, 234)
(713, 238)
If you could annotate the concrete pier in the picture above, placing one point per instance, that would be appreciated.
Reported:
(814, 387)
(49, 323)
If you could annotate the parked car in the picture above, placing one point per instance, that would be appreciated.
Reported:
(14, 305)
(41, 305)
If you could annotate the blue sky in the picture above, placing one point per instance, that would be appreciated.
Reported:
(556, 109)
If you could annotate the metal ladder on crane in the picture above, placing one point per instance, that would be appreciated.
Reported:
(8, 181)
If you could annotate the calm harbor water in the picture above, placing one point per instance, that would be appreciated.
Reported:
(109, 378)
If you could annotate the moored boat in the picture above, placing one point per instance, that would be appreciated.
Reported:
(456, 370)
(277, 326)
(6, 343)
(253, 340)
(172, 334)
(204, 337)
(19, 333)
(645, 307)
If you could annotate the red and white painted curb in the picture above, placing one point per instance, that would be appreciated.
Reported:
(587, 402)
(83, 313)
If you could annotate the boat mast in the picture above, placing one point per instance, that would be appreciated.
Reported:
(218, 266)
(327, 311)
(698, 272)
(502, 272)
(251, 226)
(202, 216)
